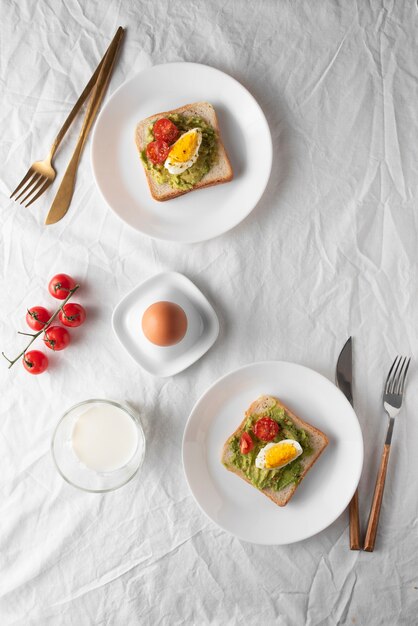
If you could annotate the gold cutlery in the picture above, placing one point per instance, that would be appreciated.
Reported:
(41, 174)
(65, 191)
(392, 403)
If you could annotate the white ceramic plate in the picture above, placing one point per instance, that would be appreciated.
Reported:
(205, 213)
(202, 328)
(234, 504)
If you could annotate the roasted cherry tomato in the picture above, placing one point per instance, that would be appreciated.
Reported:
(246, 444)
(157, 151)
(35, 362)
(72, 314)
(60, 286)
(165, 130)
(266, 429)
(37, 317)
(56, 338)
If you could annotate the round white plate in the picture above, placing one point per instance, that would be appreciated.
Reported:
(195, 216)
(238, 507)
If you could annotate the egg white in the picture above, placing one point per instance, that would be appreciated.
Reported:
(174, 167)
(260, 460)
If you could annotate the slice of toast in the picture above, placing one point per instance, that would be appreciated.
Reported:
(318, 443)
(220, 172)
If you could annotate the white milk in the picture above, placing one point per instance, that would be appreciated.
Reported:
(104, 438)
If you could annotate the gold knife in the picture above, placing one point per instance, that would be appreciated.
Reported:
(65, 191)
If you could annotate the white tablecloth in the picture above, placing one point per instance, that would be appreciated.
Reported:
(331, 250)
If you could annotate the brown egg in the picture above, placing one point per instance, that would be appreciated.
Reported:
(164, 323)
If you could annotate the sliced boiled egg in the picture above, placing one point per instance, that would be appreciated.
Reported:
(277, 455)
(184, 152)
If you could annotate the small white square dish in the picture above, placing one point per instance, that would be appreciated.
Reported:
(202, 324)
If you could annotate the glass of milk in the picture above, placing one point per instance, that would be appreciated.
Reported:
(98, 445)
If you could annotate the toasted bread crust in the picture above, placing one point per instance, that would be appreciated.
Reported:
(320, 441)
(164, 192)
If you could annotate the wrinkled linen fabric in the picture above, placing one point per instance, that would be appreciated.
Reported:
(330, 251)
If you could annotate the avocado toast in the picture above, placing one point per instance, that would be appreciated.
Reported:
(277, 484)
(211, 167)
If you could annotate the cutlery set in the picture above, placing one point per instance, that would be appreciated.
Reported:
(41, 174)
(392, 403)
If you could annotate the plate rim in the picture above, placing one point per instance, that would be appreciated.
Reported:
(249, 366)
(269, 152)
(209, 309)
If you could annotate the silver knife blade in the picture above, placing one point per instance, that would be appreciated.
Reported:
(344, 370)
(344, 378)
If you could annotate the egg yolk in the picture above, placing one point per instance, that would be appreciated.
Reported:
(184, 148)
(278, 455)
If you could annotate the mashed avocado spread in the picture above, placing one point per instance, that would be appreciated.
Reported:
(267, 478)
(208, 152)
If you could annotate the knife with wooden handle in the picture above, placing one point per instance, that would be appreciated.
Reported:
(344, 378)
(65, 191)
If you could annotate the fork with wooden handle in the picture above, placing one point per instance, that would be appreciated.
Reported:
(392, 402)
(41, 174)
(65, 191)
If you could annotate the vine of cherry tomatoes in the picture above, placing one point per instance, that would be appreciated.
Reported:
(40, 319)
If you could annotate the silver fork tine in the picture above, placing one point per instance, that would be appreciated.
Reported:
(40, 192)
(397, 388)
(22, 182)
(404, 375)
(388, 379)
(28, 186)
(395, 373)
(36, 186)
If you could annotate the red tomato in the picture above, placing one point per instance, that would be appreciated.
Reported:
(56, 338)
(72, 314)
(35, 362)
(266, 429)
(60, 286)
(37, 317)
(246, 444)
(157, 151)
(165, 130)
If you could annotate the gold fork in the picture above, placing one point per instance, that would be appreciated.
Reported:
(41, 174)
